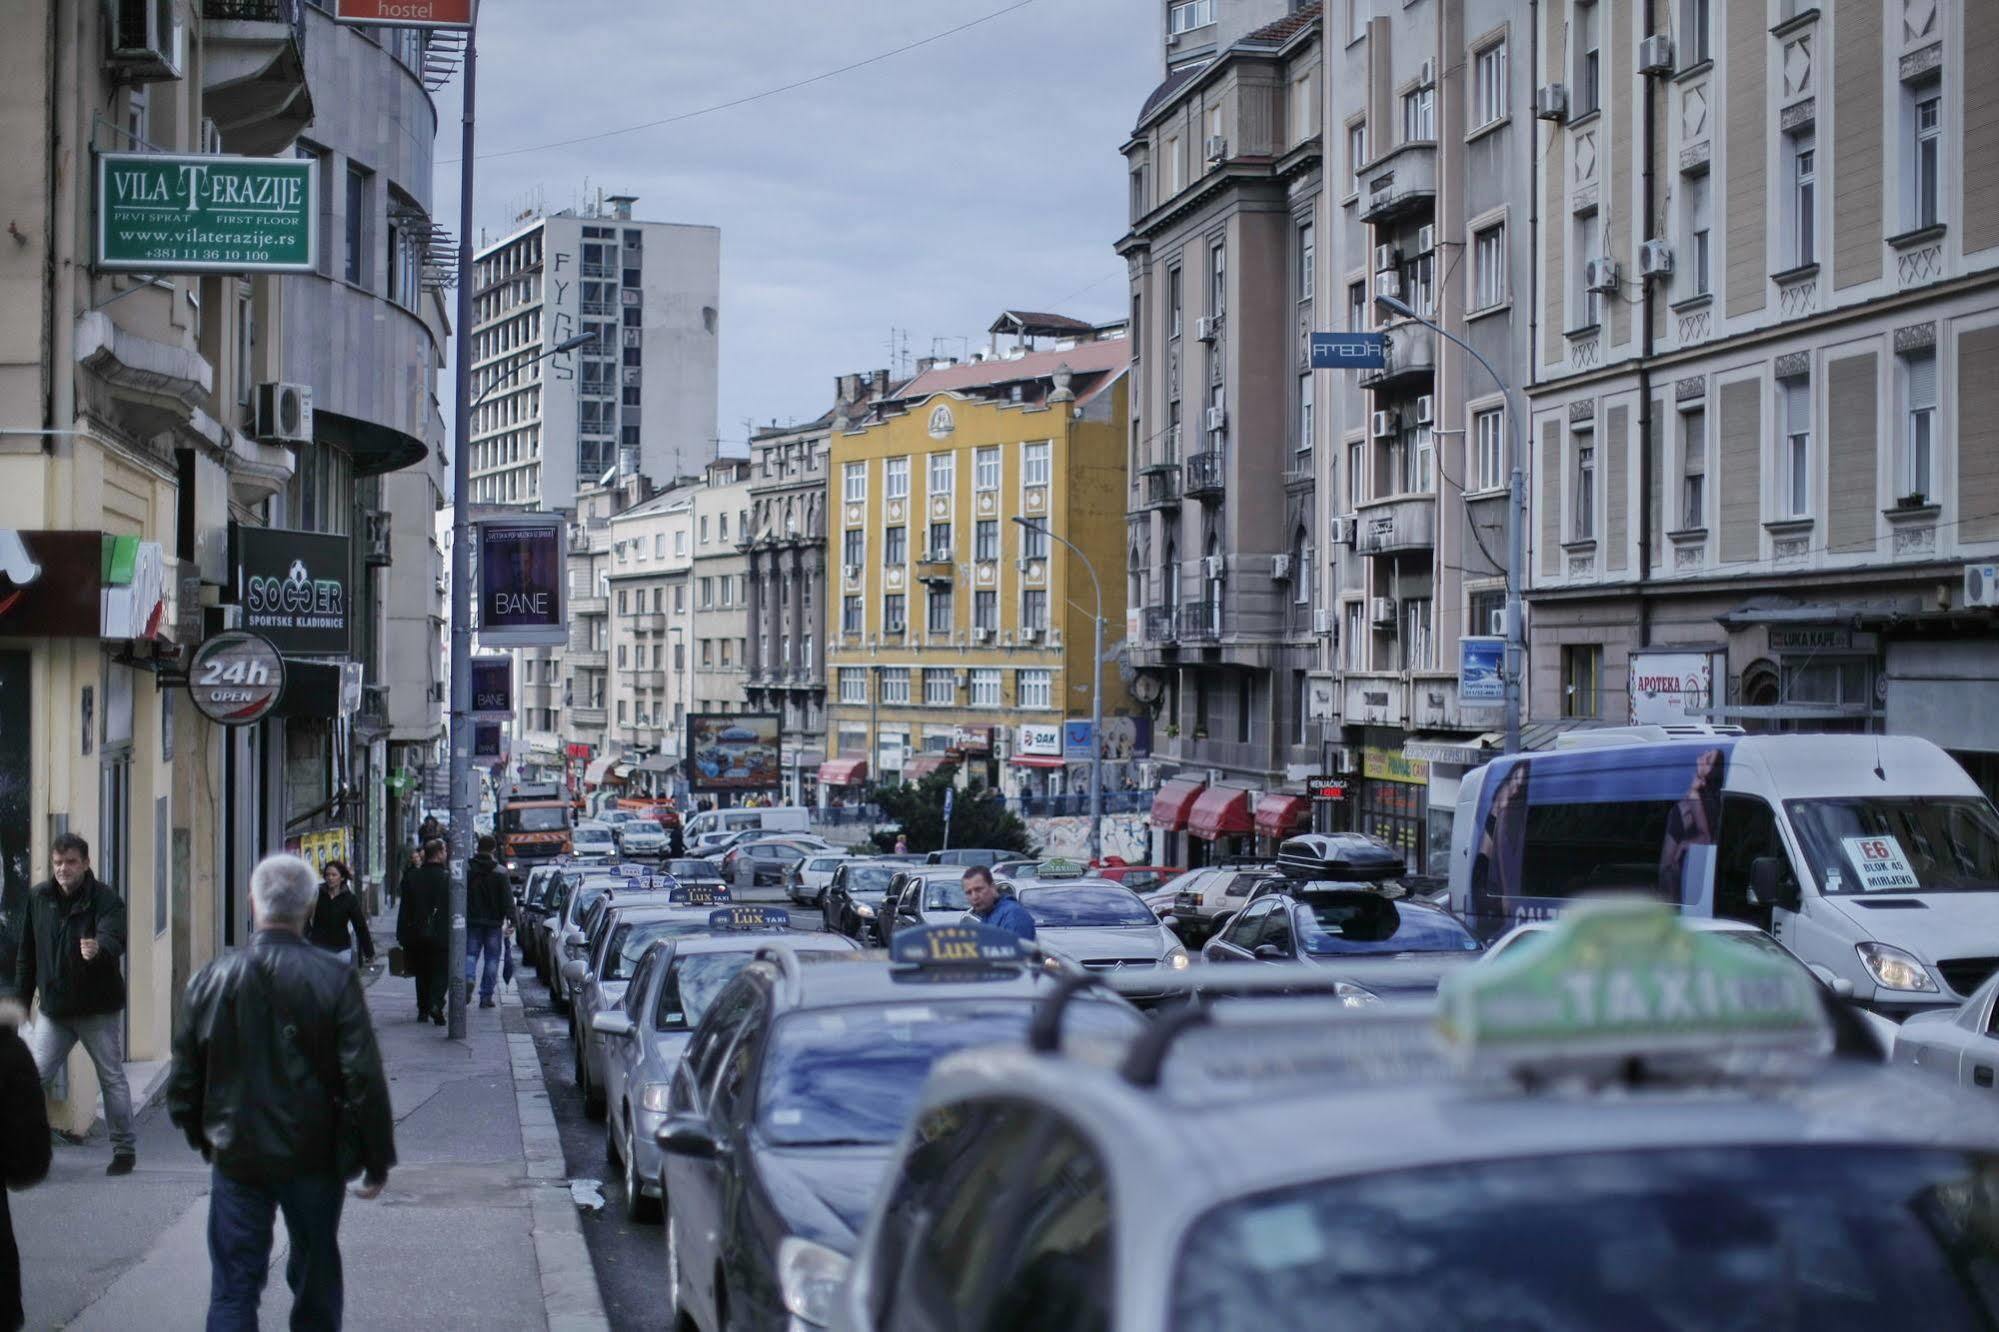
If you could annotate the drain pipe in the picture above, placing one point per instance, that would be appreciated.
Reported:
(1650, 291)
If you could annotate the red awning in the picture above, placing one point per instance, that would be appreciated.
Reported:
(1279, 814)
(923, 765)
(844, 770)
(1039, 761)
(1170, 806)
(1222, 811)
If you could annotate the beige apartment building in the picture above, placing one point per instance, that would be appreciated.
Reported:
(717, 638)
(647, 586)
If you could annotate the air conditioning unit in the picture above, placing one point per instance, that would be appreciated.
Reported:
(1381, 610)
(852, 573)
(375, 535)
(1655, 259)
(1426, 239)
(1030, 635)
(1495, 622)
(1387, 258)
(1343, 529)
(1600, 274)
(1323, 621)
(1981, 585)
(895, 627)
(1423, 406)
(1384, 424)
(1655, 54)
(1218, 420)
(1388, 284)
(981, 635)
(1280, 568)
(1214, 568)
(1426, 74)
(1218, 147)
(941, 555)
(284, 413)
(1551, 102)
(1208, 327)
(148, 40)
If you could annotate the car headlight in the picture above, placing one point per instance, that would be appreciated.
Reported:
(1177, 958)
(1354, 996)
(863, 909)
(1894, 969)
(811, 1276)
(513, 864)
(654, 1096)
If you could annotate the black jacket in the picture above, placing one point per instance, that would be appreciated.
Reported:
(51, 961)
(24, 1156)
(13, 909)
(276, 1073)
(488, 891)
(425, 914)
(333, 916)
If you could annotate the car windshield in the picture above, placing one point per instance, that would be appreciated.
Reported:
(586, 897)
(945, 895)
(644, 827)
(1770, 1237)
(592, 836)
(692, 984)
(851, 1075)
(869, 880)
(823, 864)
(1344, 924)
(1085, 905)
(534, 818)
(692, 869)
(629, 943)
(1906, 844)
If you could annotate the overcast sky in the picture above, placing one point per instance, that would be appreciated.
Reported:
(925, 193)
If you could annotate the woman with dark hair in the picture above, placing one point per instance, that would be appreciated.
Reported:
(339, 921)
(1695, 821)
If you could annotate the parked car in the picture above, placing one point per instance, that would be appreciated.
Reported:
(1384, 948)
(809, 877)
(771, 857)
(1141, 879)
(856, 896)
(1960, 1045)
(1204, 898)
(1100, 926)
(593, 841)
(968, 856)
(769, 819)
(928, 895)
(642, 838)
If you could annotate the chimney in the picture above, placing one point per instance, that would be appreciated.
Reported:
(847, 388)
(878, 385)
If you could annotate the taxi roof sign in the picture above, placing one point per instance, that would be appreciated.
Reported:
(966, 945)
(749, 919)
(697, 894)
(1624, 978)
(628, 871)
(1058, 869)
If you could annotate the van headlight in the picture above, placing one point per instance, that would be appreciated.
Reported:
(811, 1276)
(1895, 969)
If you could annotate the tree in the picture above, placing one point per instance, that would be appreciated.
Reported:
(978, 818)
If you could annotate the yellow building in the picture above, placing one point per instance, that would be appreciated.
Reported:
(953, 633)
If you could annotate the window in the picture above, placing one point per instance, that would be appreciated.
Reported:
(1189, 15)
(1176, 165)
(1488, 450)
(1034, 609)
(1175, 300)
(850, 615)
(894, 684)
(940, 690)
(1419, 286)
(1919, 370)
(1804, 194)
(1489, 84)
(1695, 48)
(679, 543)
(985, 688)
(1699, 225)
(707, 652)
(986, 469)
(940, 542)
(853, 547)
(1308, 262)
(895, 545)
(354, 264)
(985, 540)
(1357, 16)
(895, 613)
(1354, 638)
(680, 598)
(1487, 614)
(704, 529)
(1489, 267)
(1693, 469)
(1033, 689)
(1356, 464)
(1795, 475)
(1301, 449)
(856, 482)
(895, 478)
(1924, 211)
(1034, 464)
(707, 596)
(1588, 87)
(939, 619)
(943, 470)
(985, 611)
(1301, 570)
(1418, 648)
(1587, 301)
(1582, 673)
(1584, 528)
(1357, 307)
(1356, 152)
(1419, 462)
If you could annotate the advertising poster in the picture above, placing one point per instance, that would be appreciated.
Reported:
(294, 589)
(1481, 670)
(492, 688)
(1668, 688)
(522, 581)
(316, 848)
(50, 583)
(733, 751)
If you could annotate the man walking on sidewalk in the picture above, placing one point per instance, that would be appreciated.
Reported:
(423, 928)
(72, 935)
(278, 1083)
(488, 894)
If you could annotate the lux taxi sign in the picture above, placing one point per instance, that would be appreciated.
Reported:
(954, 945)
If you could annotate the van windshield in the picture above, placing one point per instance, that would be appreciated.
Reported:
(532, 818)
(1907, 844)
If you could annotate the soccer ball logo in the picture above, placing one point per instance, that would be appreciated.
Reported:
(297, 573)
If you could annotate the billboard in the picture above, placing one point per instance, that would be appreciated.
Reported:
(733, 751)
(1668, 688)
(1481, 669)
(523, 580)
(492, 688)
(294, 589)
(162, 213)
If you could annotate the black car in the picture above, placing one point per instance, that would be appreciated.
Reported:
(1385, 947)
(854, 898)
(784, 1112)
(691, 872)
(771, 859)
(968, 856)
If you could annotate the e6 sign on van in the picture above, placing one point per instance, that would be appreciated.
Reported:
(1882, 866)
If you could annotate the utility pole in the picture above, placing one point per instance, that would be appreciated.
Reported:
(1096, 688)
(461, 561)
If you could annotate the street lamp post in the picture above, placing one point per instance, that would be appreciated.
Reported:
(1516, 526)
(1096, 690)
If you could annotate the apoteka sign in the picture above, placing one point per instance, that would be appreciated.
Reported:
(523, 580)
(236, 678)
(294, 589)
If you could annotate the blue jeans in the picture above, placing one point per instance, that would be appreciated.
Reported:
(239, 1249)
(483, 939)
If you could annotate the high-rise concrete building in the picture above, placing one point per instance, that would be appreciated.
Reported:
(641, 398)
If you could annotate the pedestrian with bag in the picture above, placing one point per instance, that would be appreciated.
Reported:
(278, 1083)
(24, 1149)
(488, 894)
(339, 921)
(72, 935)
(423, 928)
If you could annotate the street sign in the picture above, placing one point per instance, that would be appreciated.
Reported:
(1349, 351)
(164, 213)
(236, 678)
(405, 13)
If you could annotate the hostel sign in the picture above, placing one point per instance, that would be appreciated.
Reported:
(406, 13)
(160, 213)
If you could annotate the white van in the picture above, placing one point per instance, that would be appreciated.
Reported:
(773, 819)
(1874, 858)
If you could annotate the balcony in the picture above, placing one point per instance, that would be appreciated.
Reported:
(587, 659)
(936, 567)
(253, 83)
(648, 622)
(1159, 486)
(1408, 522)
(647, 678)
(1161, 624)
(1411, 355)
(587, 719)
(1377, 699)
(1207, 475)
(1199, 621)
(589, 605)
(1399, 182)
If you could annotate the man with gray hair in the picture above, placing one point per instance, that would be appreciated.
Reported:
(278, 1083)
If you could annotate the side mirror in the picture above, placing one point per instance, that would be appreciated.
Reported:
(1772, 884)
(684, 1135)
(610, 1022)
(1269, 953)
(576, 972)
(1841, 987)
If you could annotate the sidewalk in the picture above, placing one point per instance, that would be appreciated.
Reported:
(476, 1227)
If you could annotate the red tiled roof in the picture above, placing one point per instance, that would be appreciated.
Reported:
(1274, 34)
(1085, 358)
(1038, 321)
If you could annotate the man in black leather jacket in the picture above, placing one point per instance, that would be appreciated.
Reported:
(423, 928)
(278, 1083)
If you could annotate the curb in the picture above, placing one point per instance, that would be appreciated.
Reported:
(569, 1293)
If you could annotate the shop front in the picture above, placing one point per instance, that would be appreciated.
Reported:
(1171, 807)
(1394, 803)
(1220, 824)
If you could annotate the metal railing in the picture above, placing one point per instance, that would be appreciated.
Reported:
(1161, 488)
(1200, 621)
(254, 11)
(1206, 473)
(1160, 624)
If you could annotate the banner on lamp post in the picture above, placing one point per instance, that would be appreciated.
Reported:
(406, 13)
(492, 688)
(523, 580)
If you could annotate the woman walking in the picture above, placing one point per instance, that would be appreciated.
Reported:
(339, 921)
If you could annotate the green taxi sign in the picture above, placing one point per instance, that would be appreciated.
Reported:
(1625, 979)
(1058, 869)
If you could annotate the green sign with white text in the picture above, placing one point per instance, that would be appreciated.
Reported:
(158, 213)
